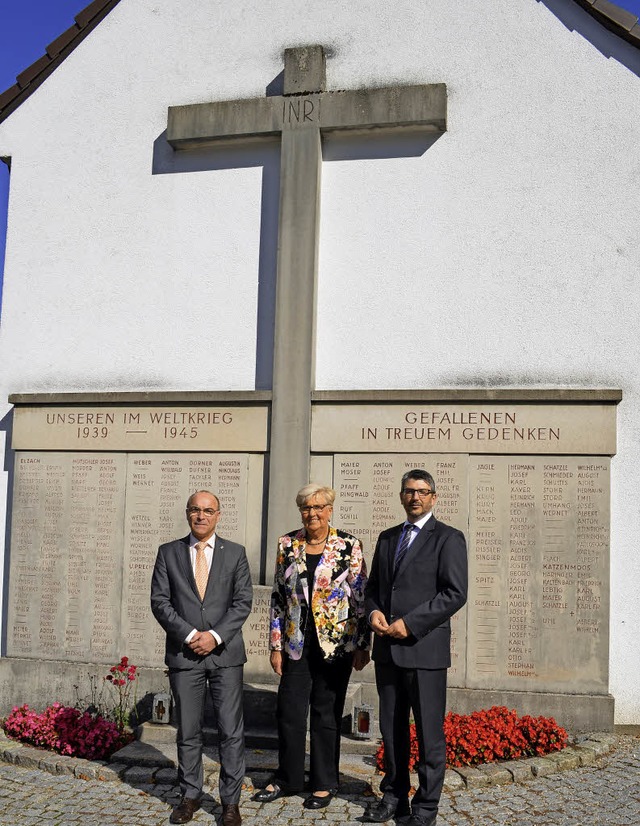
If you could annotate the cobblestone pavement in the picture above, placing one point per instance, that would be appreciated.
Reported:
(606, 793)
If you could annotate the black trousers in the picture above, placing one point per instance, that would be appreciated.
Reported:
(425, 692)
(317, 687)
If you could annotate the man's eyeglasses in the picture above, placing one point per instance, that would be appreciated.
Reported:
(205, 511)
(306, 509)
(410, 492)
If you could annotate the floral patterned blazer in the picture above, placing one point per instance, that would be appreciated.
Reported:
(336, 596)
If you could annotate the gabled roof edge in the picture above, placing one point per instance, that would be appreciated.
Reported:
(60, 48)
(619, 21)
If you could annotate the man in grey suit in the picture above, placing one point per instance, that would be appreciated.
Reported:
(201, 595)
(418, 581)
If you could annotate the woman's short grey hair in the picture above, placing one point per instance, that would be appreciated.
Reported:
(313, 489)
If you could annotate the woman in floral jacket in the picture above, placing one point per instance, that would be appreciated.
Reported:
(318, 633)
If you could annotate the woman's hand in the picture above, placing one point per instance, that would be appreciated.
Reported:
(276, 662)
(360, 659)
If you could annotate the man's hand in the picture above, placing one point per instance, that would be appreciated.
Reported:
(275, 659)
(202, 643)
(398, 630)
(360, 659)
(378, 623)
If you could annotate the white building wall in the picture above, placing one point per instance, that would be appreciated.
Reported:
(504, 255)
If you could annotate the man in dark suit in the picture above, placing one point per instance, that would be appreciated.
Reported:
(201, 595)
(418, 581)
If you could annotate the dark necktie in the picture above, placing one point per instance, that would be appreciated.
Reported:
(403, 547)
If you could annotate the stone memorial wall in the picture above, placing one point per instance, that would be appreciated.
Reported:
(91, 506)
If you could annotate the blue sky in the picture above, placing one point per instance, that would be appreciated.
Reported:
(26, 26)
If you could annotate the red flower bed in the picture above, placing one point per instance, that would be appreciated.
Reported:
(67, 731)
(493, 734)
(95, 733)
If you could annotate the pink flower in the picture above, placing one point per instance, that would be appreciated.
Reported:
(322, 580)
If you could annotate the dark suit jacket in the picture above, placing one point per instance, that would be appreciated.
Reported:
(227, 602)
(429, 586)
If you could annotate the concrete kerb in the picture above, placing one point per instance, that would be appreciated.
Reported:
(587, 750)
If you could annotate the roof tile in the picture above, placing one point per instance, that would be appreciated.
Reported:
(10, 94)
(31, 72)
(56, 46)
(87, 14)
(617, 15)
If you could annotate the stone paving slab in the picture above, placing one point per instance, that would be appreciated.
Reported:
(604, 793)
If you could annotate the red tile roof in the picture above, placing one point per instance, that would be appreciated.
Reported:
(619, 21)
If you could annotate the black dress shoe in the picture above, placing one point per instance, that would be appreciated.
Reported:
(316, 802)
(185, 810)
(380, 811)
(268, 795)
(421, 820)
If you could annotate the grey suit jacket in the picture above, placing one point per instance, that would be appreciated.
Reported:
(226, 605)
(428, 587)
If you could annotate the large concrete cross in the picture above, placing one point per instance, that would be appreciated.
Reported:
(300, 116)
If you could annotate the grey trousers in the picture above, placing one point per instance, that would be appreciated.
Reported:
(189, 687)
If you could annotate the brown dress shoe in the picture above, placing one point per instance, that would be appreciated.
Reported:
(231, 814)
(185, 810)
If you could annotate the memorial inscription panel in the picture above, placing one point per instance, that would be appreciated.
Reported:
(66, 576)
(86, 527)
(539, 553)
(158, 486)
(538, 534)
(368, 502)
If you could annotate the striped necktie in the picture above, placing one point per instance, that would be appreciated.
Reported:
(403, 547)
(202, 572)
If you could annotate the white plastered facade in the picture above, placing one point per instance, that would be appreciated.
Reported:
(505, 255)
